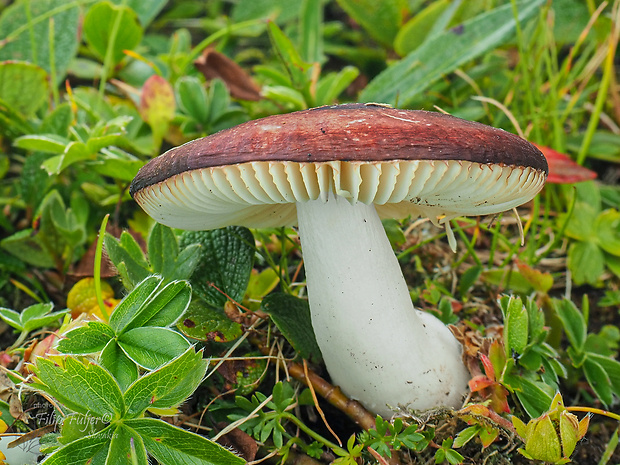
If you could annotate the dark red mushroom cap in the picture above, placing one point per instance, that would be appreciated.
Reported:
(405, 162)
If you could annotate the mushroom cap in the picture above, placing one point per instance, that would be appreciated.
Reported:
(406, 162)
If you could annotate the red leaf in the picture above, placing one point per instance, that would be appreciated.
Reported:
(480, 382)
(562, 168)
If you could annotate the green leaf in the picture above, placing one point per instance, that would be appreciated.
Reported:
(516, 325)
(39, 322)
(127, 251)
(117, 164)
(167, 386)
(332, 85)
(311, 36)
(289, 56)
(206, 323)
(292, 317)
(599, 380)
(86, 339)
(169, 444)
(114, 359)
(85, 388)
(573, 321)
(90, 450)
(99, 25)
(152, 347)
(444, 53)
(469, 278)
(581, 224)
(76, 426)
(50, 143)
(535, 397)
(24, 27)
(12, 318)
(164, 307)
(58, 121)
(417, 29)
(381, 19)
(192, 98)
(227, 258)
(607, 229)
(130, 306)
(586, 262)
(162, 249)
(611, 368)
(126, 447)
(146, 10)
(19, 80)
(74, 153)
(27, 246)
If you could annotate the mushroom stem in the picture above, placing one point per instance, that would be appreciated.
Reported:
(377, 347)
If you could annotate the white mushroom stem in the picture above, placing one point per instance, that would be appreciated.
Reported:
(377, 347)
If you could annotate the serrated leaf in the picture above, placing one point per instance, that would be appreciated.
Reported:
(174, 445)
(126, 447)
(292, 317)
(127, 251)
(114, 359)
(516, 325)
(152, 347)
(127, 309)
(164, 307)
(99, 25)
(85, 388)
(227, 258)
(86, 339)
(90, 450)
(445, 52)
(167, 386)
(206, 323)
(162, 249)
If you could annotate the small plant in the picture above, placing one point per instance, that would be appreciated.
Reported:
(138, 334)
(101, 421)
(34, 317)
(270, 425)
(140, 365)
(594, 354)
(388, 437)
(552, 437)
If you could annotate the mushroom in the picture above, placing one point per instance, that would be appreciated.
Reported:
(336, 171)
